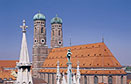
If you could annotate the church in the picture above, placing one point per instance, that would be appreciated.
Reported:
(97, 64)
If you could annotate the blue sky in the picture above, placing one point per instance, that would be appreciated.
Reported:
(85, 20)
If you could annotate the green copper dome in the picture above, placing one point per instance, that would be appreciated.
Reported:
(39, 16)
(56, 20)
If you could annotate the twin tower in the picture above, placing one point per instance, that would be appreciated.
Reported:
(40, 49)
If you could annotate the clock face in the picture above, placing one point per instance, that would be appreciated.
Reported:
(42, 41)
(60, 43)
(35, 41)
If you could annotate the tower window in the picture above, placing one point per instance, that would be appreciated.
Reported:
(42, 30)
(59, 32)
(35, 29)
(53, 32)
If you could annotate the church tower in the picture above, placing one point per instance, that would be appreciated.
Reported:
(56, 32)
(40, 49)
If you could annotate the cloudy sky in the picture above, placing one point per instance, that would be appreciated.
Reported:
(85, 21)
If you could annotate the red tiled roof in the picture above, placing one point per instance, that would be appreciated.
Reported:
(90, 55)
(7, 73)
(8, 63)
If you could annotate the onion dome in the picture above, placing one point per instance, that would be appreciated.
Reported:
(39, 16)
(56, 20)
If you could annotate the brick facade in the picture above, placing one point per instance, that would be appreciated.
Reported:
(56, 36)
(40, 49)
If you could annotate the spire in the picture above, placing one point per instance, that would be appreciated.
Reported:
(63, 79)
(102, 38)
(24, 56)
(58, 74)
(74, 78)
(24, 73)
(78, 74)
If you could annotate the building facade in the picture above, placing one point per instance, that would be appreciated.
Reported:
(97, 64)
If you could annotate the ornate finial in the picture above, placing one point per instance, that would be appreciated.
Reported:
(56, 15)
(70, 40)
(24, 26)
(102, 38)
(69, 55)
(39, 11)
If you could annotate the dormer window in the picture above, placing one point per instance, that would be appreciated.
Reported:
(10, 78)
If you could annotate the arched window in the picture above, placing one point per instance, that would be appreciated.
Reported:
(53, 32)
(121, 79)
(95, 80)
(42, 30)
(85, 79)
(35, 29)
(110, 80)
(59, 32)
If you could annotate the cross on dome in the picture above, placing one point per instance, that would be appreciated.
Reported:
(24, 26)
(56, 15)
(39, 11)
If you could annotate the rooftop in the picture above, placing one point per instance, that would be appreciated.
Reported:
(95, 55)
